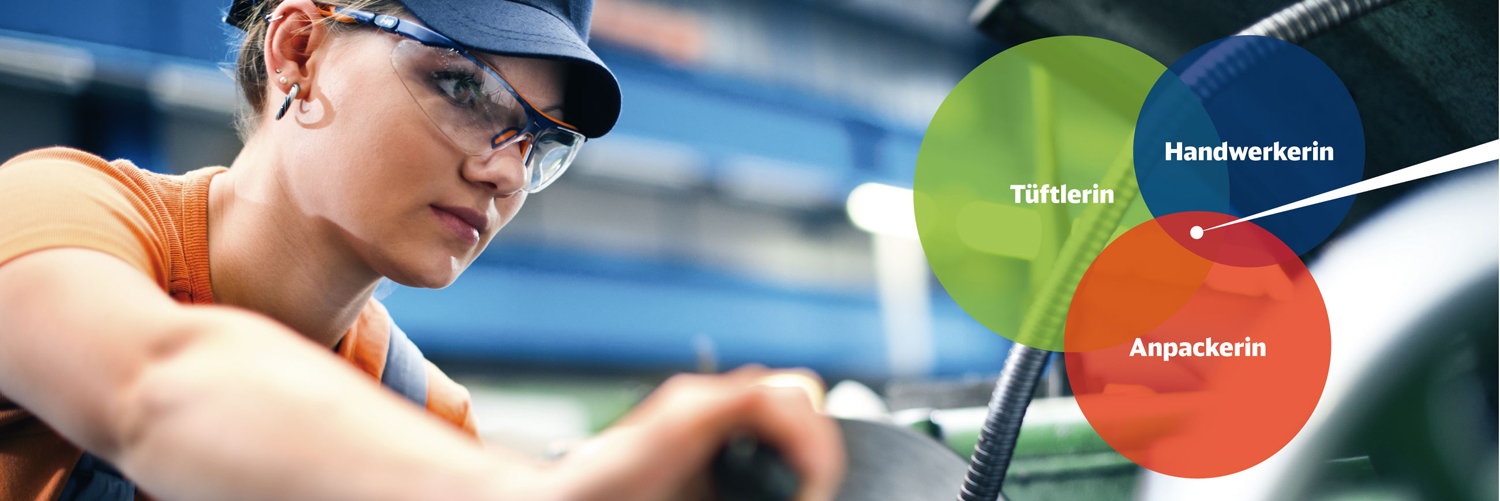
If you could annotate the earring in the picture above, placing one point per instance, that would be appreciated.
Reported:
(282, 80)
(278, 71)
(287, 103)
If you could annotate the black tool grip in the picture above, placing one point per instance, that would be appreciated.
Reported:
(747, 470)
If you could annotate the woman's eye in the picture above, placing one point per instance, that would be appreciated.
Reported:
(460, 88)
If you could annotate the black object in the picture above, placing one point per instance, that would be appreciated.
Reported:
(239, 11)
(997, 439)
(892, 463)
(885, 463)
(747, 470)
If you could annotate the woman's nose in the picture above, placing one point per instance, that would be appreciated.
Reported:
(502, 171)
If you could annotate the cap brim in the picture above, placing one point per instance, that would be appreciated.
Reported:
(591, 100)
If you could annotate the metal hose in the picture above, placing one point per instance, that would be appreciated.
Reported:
(1048, 313)
(1296, 23)
(1304, 20)
(1044, 321)
(997, 438)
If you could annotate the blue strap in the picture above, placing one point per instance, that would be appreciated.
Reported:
(405, 369)
(94, 479)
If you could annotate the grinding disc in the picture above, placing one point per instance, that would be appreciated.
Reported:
(892, 463)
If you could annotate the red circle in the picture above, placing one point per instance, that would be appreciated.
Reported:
(1203, 414)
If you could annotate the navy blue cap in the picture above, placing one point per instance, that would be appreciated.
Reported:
(552, 29)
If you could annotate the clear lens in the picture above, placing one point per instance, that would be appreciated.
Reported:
(473, 108)
(466, 102)
(551, 154)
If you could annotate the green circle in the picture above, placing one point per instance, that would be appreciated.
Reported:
(1053, 111)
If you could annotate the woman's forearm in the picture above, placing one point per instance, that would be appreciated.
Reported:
(245, 412)
(219, 403)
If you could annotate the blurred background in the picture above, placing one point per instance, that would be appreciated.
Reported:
(752, 203)
(710, 229)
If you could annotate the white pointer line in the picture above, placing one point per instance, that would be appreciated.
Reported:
(1451, 162)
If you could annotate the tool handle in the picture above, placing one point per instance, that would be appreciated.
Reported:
(748, 470)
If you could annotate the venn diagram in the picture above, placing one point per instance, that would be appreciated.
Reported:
(1193, 353)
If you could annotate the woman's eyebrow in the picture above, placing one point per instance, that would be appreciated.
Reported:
(548, 109)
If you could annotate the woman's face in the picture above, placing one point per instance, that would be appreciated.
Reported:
(383, 178)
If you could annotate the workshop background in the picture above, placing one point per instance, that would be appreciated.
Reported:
(753, 203)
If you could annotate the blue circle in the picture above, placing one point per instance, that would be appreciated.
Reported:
(1233, 98)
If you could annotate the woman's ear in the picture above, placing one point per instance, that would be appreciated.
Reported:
(296, 31)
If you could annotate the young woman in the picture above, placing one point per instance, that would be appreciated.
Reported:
(213, 336)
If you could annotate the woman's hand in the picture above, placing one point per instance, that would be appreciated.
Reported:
(662, 450)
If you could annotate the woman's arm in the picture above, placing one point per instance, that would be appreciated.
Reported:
(215, 402)
(220, 403)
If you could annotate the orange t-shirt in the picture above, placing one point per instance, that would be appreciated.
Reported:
(60, 197)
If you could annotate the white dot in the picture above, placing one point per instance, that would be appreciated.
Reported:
(1196, 232)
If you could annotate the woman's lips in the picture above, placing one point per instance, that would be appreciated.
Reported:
(465, 223)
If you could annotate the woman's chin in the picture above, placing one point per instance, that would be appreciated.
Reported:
(428, 275)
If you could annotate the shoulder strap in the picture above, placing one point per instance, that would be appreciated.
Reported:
(94, 479)
(405, 369)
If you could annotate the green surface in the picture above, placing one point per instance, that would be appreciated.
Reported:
(605, 399)
(1054, 111)
(1044, 439)
(1058, 456)
(1113, 485)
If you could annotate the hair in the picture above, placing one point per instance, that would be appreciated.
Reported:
(250, 67)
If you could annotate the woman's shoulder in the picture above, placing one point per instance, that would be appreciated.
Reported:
(63, 175)
(63, 197)
(59, 163)
(57, 154)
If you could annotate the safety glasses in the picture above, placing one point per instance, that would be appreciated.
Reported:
(470, 101)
